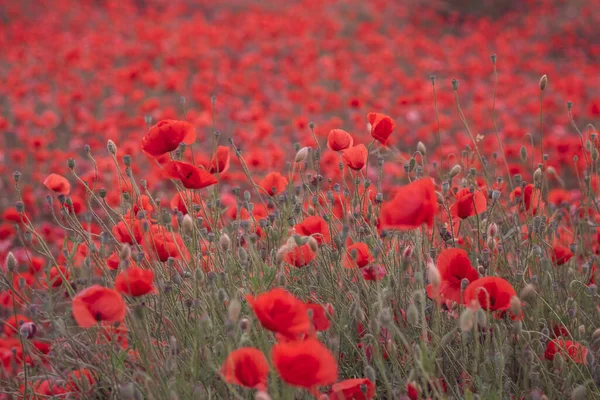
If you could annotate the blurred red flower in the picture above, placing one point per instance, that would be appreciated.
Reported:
(246, 367)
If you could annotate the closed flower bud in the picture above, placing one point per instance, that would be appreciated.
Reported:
(455, 171)
(558, 361)
(492, 230)
(112, 148)
(412, 314)
(515, 306)
(244, 324)
(11, 262)
(467, 320)
(421, 148)
(261, 395)
(234, 309)
(433, 275)
(187, 225)
(523, 154)
(543, 82)
(302, 154)
(312, 243)
(537, 176)
(224, 242)
(370, 374)
(125, 252)
(528, 292)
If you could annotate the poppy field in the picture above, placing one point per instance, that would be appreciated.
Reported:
(333, 200)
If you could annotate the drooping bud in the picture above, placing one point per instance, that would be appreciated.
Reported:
(112, 148)
(421, 148)
(515, 306)
(433, 275)
(467, 320)
(187, 225)
(455, 171)
(224, 242)
(11, 262)
(313, 244)
(543, 82)
(302, 154)
(528, 292)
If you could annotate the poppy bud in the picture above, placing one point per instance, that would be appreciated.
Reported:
(537, 176)
(515, 306)
(421, 148)
(11, 262)
(260, 395)
(370, 374)
(71, 163)
(412, 314)
(128, 391)
(312, 243)
(112, 148)
(433, 275)
(302, 154)
(224, 242)
(543, 82)
(466, 320)
(558, 362)
(244, 324)
(234, 309)
(523, 154)
(492, 230)
(16, 176)
(455, 171)
(464, 283)
(125, 252)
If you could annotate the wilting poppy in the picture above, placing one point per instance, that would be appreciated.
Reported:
(274, 183)
(382, 127)
(135, 281)
(166, 136)
(96, 304)
(358, 255)
(454, 266)
(413, 205)
(304, 363)
(220, 161)
(575, 351)
(468, 203)
(491, 293)
(13, 324)
(316, 227)
(58, 184)
(281, 312)
(355, 157)
(246, 367)
(191, 177)
(353, 389)
(339, 139)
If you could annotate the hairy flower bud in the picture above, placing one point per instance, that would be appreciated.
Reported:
(301, 154)
(543, 82)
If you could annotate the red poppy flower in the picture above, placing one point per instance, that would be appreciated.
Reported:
(220, 161)
(166, 136)
(382, 127)
(274, 183)
(353, 389)
(300, 256)
(281, 312)
(128, 231)
(339, 139)
(58, 184)
(57, 276)
(246, 367)
(319, 317)
(413, 205)
(356, 157)
(98, 303)
(81, 381)
(491, 293)
(560, 254)
(468, 203)
(314, 226)
(373, 272)
(529, 197)
(358, 255)
(573, 350)
(191, 177)
(166, 244)
(454, 266)
(135, 281)
(304, 363)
